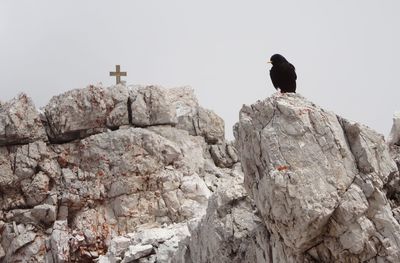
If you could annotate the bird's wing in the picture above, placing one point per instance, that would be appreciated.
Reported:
(293, 71)
(274, 78)
(290, 71)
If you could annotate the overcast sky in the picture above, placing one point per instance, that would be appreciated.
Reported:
(346, 53)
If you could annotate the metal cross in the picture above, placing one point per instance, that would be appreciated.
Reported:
(118, 74)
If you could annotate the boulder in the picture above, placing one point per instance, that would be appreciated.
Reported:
(229, 232)
(318, 180)
(81, 112)
(151, 105)
(59, 242)
(155, 105)
(136, 252)
(394, 136)
(20, 122)
(224, 155)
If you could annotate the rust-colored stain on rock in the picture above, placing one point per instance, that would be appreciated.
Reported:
(282, 168)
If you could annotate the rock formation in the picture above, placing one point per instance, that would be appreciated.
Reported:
(319, 182)
(144, 174)
(116, 162)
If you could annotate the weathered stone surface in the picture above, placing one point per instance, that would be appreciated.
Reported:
(154, 105)
(81, 112)
(116, 181)
(300, 154)
(224, 155)
(21, 242)
(209, 125)
(45, 213)
(136, 252)
(59, 242)
(394, 136)
(2, 252)
(393, 184)
(118, 245)
(317, 181)
(392, 187)
(7, 176)
(36, 190)
(20, 122)
(229, 232)
(80, 195)
(204, 123)
(151, 105)
(21, 180)
(326, 189)
(159, 242)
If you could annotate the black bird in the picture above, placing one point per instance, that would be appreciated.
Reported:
(283, 74)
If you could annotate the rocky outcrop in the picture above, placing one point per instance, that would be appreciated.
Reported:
(20, 122)
(394, 136)
(229, 232)
(120, 172)
(318, 181)
(81, 112)
(144, 174)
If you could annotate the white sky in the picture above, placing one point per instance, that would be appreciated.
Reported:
(346, 53)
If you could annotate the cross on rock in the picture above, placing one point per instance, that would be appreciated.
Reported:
(118, 74)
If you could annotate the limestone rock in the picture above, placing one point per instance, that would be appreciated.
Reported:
(392, 187)
(20, 122)
(158, 243)
(2, 253)
(21, 181)
(118, 245)
(81, 112)
(36, 190)
(45, 213)
(154, 105)
(21, 242)
(318, 180)
(116, 181)
(299, 153)
(100, 179)
(394, 136)
(224, 155)
(316, 187)
(136, 252)
(7, 176)
(204, 123)
(59, 242)
(151, 106)
(229, 232)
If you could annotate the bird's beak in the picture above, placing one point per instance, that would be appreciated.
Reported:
(270, 61)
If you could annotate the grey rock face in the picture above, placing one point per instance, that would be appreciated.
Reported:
(229, 232)
(224, 155)
(20, 122)
(172, 190)
(394, 136)
(204, 123)
(101, 177)
(153, 105)
(318, 181)
(149, 243)
(82, 112)
(59, 243)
